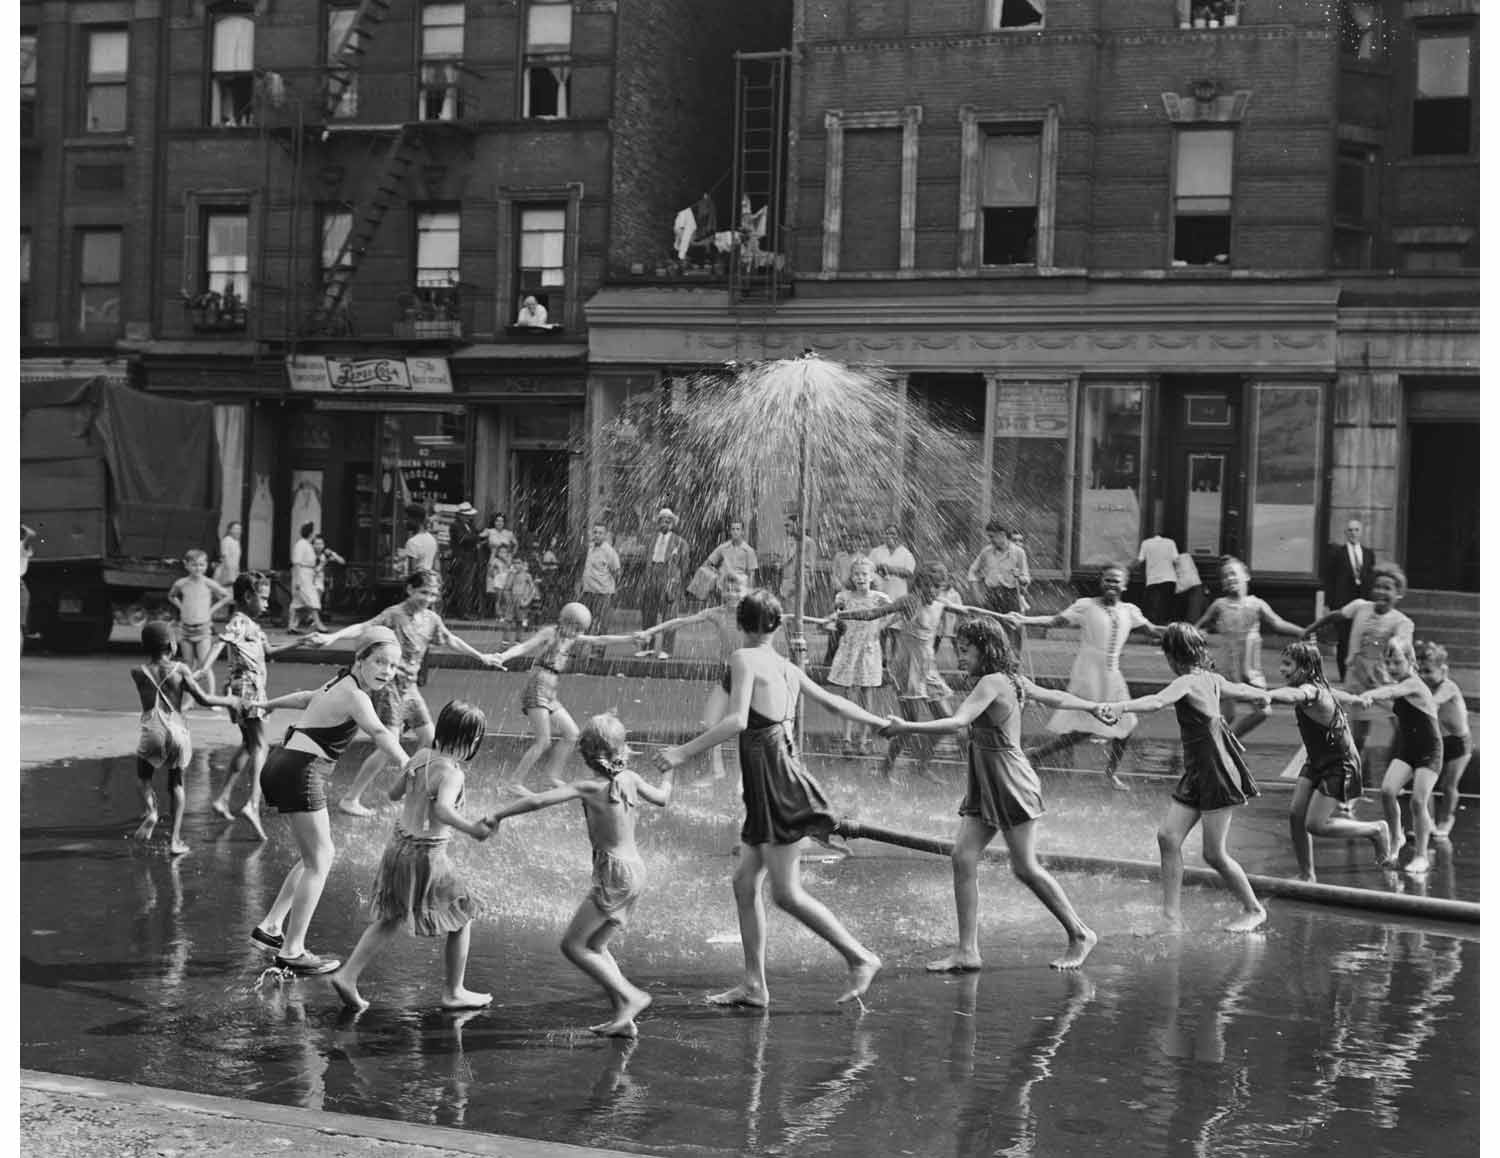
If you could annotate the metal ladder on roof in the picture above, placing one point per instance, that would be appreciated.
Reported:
(757, 273)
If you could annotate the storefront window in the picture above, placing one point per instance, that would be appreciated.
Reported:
(1030, 493)
(422, 465)
(1109, 510)
(1288, 462)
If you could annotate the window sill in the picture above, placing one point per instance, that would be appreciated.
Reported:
(551, 331)
(1438, 160)
(100, 141)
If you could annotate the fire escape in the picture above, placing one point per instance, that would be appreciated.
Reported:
(759, 273)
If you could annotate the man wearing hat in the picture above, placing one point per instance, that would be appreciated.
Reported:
(666, 561)
(465, 582)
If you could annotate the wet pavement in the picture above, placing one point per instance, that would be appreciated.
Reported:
(1322, 1035)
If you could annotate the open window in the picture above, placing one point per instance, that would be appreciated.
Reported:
(442, 56)
(1202, 200)
(1442, 115)
(1008, 197)
(231, 97)
(541, 271)
(549, 47)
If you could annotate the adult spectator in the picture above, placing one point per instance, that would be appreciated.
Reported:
(1347, 572)
(465, 566)
(532, 313)
(1159, 554)
(27, 535)
(324, 556)
(304, 583)
(229, 555)
(600, 580)
(1001, 575)
(421, 550)
(733, 554)
(801, 552)
(894, 566)
(665, 560)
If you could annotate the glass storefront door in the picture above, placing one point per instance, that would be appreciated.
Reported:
(1204, 510)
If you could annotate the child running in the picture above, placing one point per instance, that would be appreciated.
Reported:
(1214, 779)
(1105, 623)
(783, 803)
(1004, 794)
(857, 668)
(197, 599)
(248, 650)
(609, 798)
(1453, 724)
(920, 690)
(1237, 616)
(553, 646)
(1416, 750)
(1332, 772)
(416, 887)
(722, 617)
(165, 741)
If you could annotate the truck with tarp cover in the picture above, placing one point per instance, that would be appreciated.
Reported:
(118, 485)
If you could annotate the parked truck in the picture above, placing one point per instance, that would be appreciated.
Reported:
(118, 485)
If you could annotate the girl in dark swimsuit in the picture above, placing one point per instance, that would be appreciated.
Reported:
(1332, 772)
(782, 802)
(1416, 750)
(294, 780)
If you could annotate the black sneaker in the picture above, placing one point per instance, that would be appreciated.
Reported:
(269, 940)
(308, 964)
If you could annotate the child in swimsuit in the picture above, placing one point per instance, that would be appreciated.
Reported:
(1453, 724)
(165, 741)
(609, 798)
(416, 887)
(1237, 616)
(1416, 750)
(1214, 779)
(857, 666)
(1332, 772)
(554, 648)
(197, 598)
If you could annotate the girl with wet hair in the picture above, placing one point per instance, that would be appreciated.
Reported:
(1003, 793)
(1214, 779)
(1331, 774)
(416, 887)
(856, 665)
(1238, 616)
(1416, 754)
(295, 778)
(609, 799)
(783, 803)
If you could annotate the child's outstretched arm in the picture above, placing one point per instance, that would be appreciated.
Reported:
(354, 630)
(966, 609)
(539, 640)
(213, 655)
(1296, 694)
(297, 700)
(1411, 685)
(1321, 622)
(444, 807)
(190, 686)
(1052, 698)
(908, 603)
(608, 640)
(983, 695)
(850, 711)
(736, 718)
(660, 793)
(665, 625)
(1043, 620)
(1244, 693)
(1155, 702)
(445, 636)
(1277, 624)
(534, 801)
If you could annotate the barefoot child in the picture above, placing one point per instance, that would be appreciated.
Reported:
(1214, 779)
(1416, 750)
(783, 803)
(248, 650)
(1237, 616)
(197, 598)
(165, 742)
(1332, 772)
(1453, 723)
(857, 667)
(1003, 794)
(553, 647)
(609, 799)
(416, 887)
(722, 617)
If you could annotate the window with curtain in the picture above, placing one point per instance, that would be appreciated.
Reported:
(343, 80)
(442, 52)
(1443, 110)
(100, 259)
(232, 81)
(542, 268)
(437, 248)
(1202, 201)
(106, 85)
(1288, 465)
(1113, 452)
(1008, 197)
(549, 45)
(226, 254)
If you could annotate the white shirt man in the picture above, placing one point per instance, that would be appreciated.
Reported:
(1159, 553)
(894, 565)
(601, 566)
(421, 552)
(734, 554)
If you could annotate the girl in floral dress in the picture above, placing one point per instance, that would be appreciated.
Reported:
(857, 667)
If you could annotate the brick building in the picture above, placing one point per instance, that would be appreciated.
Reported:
(328, 218)
(1203, 268)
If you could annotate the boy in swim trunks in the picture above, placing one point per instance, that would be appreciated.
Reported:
(609, 800)
(1453, 725)
(197, 599)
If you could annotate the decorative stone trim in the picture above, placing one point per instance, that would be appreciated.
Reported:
(1422, 9)
(835, 122)
(1176, 36)
(971, 151)
(1225, 108)
(1020, 37)
(1433, 235)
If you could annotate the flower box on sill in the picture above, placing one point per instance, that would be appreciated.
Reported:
(217, 317)
(534, 333)
(427, 329)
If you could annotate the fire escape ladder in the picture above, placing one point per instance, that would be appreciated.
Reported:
(347, 56)
(389, 189)
(760, 142)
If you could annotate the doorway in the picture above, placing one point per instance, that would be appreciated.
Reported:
(1200, 461)
(1442, 505)
(539, 496)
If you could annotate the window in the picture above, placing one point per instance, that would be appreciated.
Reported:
(1109, 514)
(442, 50)
(333, 258)
(232, 89)
(226, 255)
(341, 90)
(1442, 112)
(28, 85)
(1354, 190)
(1208, 13)
(1031, 483)
(437, 260)
(1288, 466)
(1014, 13)
(549, 41)
(542, 269)
(105, 91)
(1201, 205)
(1359, 29)
(99, 263)
(1008, 196)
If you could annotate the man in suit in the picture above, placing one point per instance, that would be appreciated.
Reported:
(1346, 576)
(666, 562)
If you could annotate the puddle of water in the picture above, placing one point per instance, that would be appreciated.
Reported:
(1331, 1033)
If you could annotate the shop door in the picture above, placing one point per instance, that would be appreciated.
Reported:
(1204, 485)
(1442, 506)
(540, 496)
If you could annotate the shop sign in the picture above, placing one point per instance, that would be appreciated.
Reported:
(1033, 409)
(358, 375)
